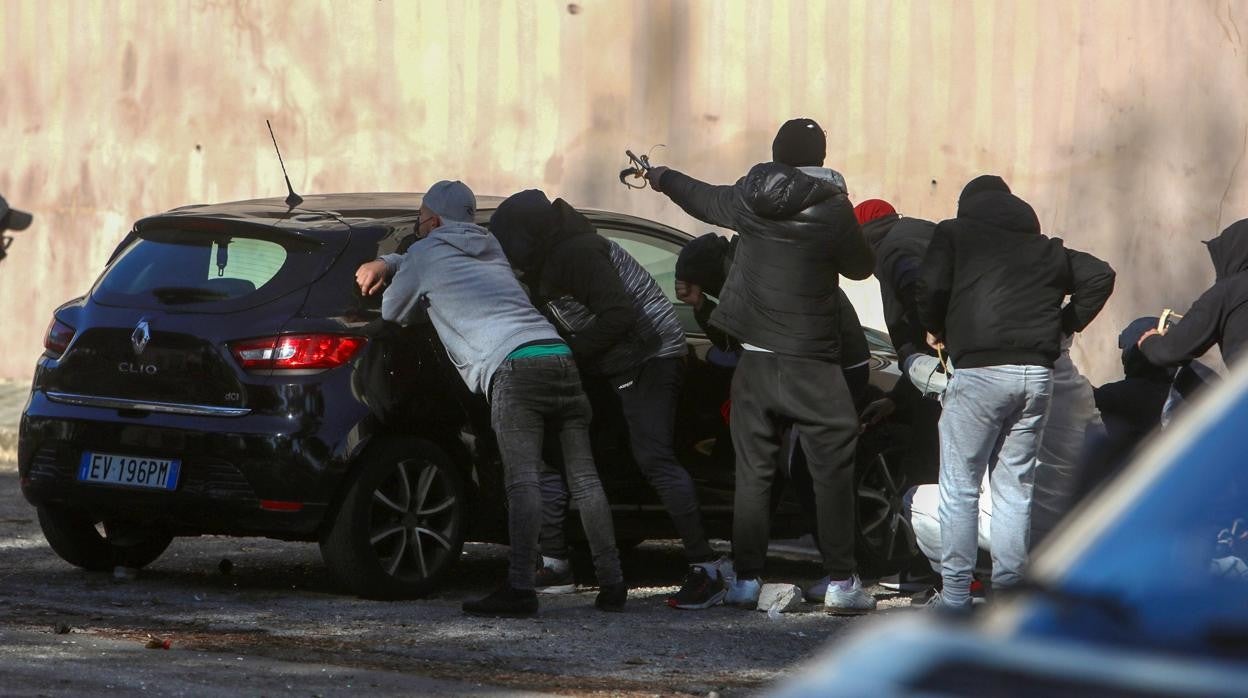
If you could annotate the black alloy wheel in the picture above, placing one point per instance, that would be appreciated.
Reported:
(401, 525)
(885, 539)
(100, 545)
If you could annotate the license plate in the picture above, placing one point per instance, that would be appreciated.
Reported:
(129, 471)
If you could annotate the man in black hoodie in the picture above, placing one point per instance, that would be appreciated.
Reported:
(990, 291)
(621, 327)
(798, 233)
(1219, 316)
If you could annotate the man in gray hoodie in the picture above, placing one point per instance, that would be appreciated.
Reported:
(457, 277)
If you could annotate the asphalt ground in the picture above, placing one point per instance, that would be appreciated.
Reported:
(275, 625)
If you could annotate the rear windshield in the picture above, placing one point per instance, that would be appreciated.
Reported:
(206, 271)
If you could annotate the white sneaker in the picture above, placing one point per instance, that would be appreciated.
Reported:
(743, 592)
(851, 601)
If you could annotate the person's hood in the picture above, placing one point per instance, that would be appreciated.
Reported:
(528, 224)
(702, 262)
(827, 174)
(777, 191)
(469, 238)
(987, 199)
(876, 229)
(1229, 251)
(522, 223)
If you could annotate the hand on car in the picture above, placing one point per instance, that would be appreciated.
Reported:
(691, 293)
(653, 175)
(371, 277)
(935, 342)
(1151, 331)
(876, 412)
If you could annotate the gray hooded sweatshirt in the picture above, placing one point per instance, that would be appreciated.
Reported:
(459, 278)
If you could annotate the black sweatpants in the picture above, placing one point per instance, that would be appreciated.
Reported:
(649, 403)
(771, 392)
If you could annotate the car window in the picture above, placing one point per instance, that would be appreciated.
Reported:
(658, 257)
(205, 271)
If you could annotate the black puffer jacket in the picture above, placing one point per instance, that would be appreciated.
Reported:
(706, 260)
(798, 233)
(992, 286)
(1220, 315)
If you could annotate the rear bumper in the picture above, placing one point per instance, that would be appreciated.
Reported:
(232, 468)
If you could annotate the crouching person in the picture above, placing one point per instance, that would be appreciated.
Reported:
(457, 277)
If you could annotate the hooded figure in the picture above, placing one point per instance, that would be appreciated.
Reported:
(991, 285)
(611, 311)
(991, 288)
(1219, 316)
(620, 325)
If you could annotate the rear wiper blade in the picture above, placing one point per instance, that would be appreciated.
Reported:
(1109, 605)
(186, 294)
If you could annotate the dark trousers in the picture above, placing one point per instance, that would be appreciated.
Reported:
(649, 404)
(531, 398)
(770, 393)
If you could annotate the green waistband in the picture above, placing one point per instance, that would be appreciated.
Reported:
(533, 351)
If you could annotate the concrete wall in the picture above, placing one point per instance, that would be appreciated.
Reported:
(1124, 124)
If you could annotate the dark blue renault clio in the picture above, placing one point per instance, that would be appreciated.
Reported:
(225, 376)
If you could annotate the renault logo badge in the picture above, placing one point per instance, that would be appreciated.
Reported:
(140, 337)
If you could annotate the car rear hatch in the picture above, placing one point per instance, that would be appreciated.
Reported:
(156, 332)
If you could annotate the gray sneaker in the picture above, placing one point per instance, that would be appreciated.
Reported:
(848, 600)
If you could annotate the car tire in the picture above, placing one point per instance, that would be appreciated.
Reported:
(884, 540)
(78, 540)
(401, 526)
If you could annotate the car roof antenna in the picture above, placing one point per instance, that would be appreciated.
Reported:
(292, 199)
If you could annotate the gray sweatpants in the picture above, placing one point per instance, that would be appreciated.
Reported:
(993, 417)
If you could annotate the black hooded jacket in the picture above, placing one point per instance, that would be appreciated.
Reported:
(992, 286)
(797, 234)
(900, 244)
(706, 260)
(612, 314)
(1219, 316)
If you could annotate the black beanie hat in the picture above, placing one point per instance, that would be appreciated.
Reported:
(701, 262)
(798, 143)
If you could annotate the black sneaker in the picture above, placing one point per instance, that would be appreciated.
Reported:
(548, 581)
(611, 597)
(704, 587)
(504, 602)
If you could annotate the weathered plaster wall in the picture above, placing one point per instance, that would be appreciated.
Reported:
(1124, 124)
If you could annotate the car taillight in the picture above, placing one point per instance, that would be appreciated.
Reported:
(296, 351)
(57, 338)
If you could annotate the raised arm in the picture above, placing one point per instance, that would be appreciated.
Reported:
(1194, 335)
(708, 203)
